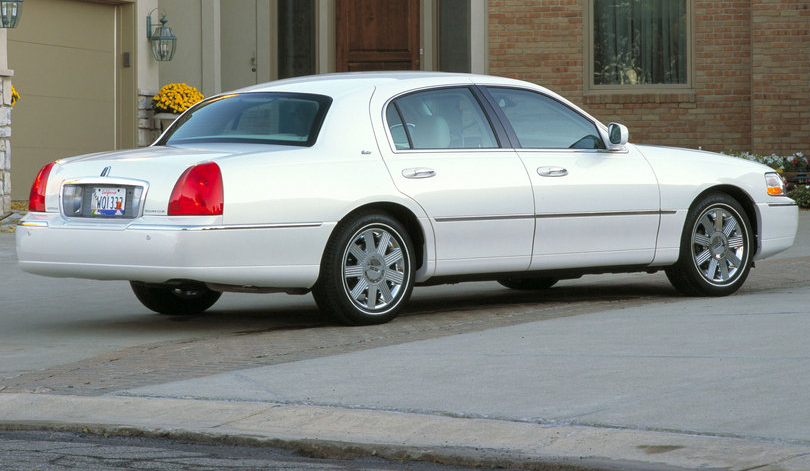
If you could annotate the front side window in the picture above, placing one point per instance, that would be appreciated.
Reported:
(640, 42)
(449, 118)
(262, 118)
(541, 122)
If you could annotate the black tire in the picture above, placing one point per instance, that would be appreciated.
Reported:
(174, 300)
(528, 284)
(717, 248)
(362, 284)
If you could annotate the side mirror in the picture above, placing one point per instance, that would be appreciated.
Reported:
(618, 135)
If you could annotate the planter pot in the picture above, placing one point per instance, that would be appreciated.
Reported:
(165, 119)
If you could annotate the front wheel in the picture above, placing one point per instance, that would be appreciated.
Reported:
(174, 300)
(716, 249)
(367, 270)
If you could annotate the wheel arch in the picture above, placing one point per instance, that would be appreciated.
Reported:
(407, 218)
(744, 199)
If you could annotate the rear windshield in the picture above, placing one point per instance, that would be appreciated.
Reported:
(264, 118)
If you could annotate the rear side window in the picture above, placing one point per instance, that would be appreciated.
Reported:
(541, 122)
(449, 118)
(264, 118)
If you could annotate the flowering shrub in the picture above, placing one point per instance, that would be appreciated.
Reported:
(176, 98)
(15, 95)
(791, 163)
(801, 195)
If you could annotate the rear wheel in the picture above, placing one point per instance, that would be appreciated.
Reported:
(174, 300)
(716, 248)
(367, 270)
(528, 284)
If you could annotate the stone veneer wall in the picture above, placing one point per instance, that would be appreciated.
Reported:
(5, 144)
(148, 129)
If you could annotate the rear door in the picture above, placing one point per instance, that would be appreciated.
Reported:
(443, 152)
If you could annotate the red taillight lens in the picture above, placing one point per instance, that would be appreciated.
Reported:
(36, 199)
(198, 192)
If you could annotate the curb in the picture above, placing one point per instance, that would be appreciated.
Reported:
(347, 433)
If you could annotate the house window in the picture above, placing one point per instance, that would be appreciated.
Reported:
(640, 42)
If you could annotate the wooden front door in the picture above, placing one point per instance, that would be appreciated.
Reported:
(377, 35)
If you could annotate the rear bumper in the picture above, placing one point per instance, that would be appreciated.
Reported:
(267, 256)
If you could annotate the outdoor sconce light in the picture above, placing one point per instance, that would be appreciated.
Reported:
(10, 13)
(164, 42)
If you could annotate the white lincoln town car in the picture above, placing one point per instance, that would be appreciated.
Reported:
(358, 187)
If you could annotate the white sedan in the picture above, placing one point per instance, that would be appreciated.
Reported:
(357, 187)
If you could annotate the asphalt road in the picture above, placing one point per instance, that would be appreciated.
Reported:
(96, 337)
(63, 451)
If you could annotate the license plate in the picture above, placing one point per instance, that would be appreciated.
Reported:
(108, 201)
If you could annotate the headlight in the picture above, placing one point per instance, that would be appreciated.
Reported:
(775, 184)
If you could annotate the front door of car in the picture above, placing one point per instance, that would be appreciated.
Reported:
(593, 207)
(443, 153)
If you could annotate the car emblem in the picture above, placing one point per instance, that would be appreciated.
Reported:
(106, 171)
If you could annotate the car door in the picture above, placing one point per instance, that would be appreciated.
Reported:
(444, 154)
(593, 207)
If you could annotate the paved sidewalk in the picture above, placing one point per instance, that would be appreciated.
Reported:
(340, 432)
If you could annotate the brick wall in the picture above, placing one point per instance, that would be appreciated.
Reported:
(538, 41)
(736, 43)
(781, 76)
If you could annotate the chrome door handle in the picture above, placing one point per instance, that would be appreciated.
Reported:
(418, 172)
(552, 171)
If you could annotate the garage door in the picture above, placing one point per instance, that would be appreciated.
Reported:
(63, 58)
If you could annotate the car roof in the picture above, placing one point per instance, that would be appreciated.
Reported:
(338, 84)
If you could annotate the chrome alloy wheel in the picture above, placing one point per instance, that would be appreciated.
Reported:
(375, 269)
(719, 245)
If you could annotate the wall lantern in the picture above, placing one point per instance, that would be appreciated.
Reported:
(164, 42)
(10, 11)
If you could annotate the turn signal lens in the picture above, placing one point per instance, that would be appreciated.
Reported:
(36, 198)
(198, 192)
(775, 184)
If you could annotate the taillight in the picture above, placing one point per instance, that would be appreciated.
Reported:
(36, 198)
(198, 192)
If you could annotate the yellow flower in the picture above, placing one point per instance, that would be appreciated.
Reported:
(14, 95)
(176, 98)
